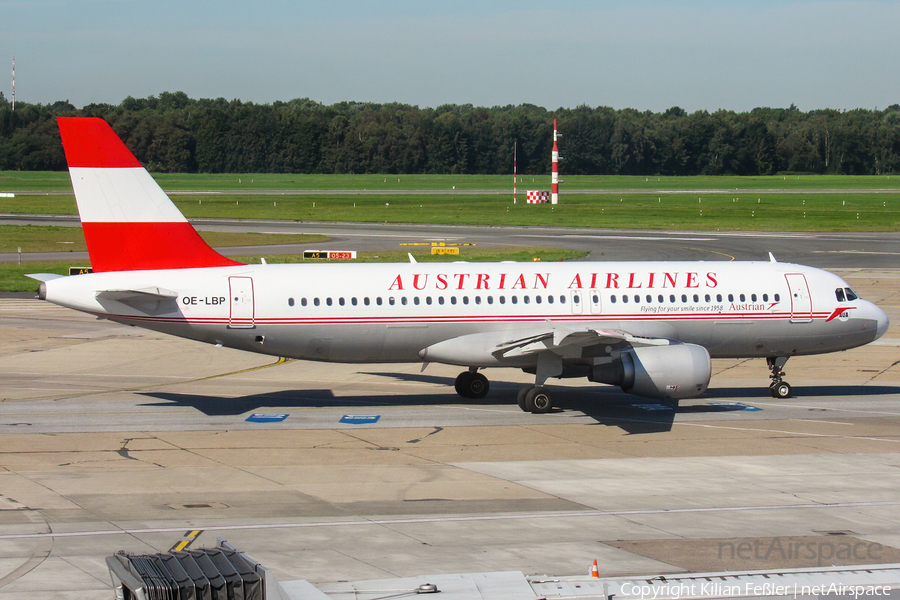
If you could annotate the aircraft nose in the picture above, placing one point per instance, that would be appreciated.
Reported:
(883, 323)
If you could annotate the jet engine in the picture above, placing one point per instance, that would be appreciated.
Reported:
(662, 372)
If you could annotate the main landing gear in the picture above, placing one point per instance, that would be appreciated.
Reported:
(778, 388)
(532, 398)
(535, 399)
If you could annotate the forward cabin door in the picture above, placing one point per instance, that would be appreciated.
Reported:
(801, 301)
(243, 310)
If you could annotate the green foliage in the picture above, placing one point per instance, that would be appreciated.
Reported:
(173, 133)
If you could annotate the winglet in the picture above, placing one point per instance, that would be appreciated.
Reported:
(412, 259)
(772, 257)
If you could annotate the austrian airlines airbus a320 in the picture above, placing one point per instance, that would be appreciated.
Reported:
(648, 327)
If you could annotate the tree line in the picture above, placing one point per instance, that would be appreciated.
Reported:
(174, 133)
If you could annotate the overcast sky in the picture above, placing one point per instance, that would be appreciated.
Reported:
(643, 54)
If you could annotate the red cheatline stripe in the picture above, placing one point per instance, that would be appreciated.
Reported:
(437, 320)
(144, 246)
(91, 142)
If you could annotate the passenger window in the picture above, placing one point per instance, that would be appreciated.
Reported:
(328, 301)
(718, 297)
(752, 297)
(378, 300)
(502, 299)
(550, 299)
(637, 299)
(514, 299)
(672, 298)
(562, 299)
(452, 299)
(465, 299)
(428, 300)
(477, 299)
(612, 298)
(537, 299)
(353, 301)
(706, 298)
(315, 301)
(743, 298)
(649, 299)
(440, 299)
(341, 301)
(416, 300)
(577, 299)
(731, 297)
(290, 301)
(777, 297)
(490, 299)
(403, 300)
(366, 300)
(684, 298)
(765, 297)
(660, 299)
(624, 298)
(391, 300)
(851, 295)
(302, 301)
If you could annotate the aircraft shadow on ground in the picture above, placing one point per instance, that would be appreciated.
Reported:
(605, 405)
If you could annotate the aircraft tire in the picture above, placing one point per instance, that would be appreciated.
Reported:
(478, 386)
(462, 383)
(781, 390)
(521, 396)
(538, 400)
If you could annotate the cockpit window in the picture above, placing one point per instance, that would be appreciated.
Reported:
(839, 294)
(851, 295)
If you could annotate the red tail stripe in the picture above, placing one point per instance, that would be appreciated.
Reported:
(144, 246)
(91, 142)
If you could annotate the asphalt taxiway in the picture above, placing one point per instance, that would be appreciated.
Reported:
(113, 438)
(826, 250)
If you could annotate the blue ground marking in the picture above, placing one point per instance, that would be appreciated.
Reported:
(360, 419)
(653, 407)
(734, 406)
(267, 417)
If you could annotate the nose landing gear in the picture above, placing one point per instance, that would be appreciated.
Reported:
(472, 384)
(778, 388)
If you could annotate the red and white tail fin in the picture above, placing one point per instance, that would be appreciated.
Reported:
(129, 222)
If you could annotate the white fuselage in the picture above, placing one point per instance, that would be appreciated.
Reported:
(392, 312)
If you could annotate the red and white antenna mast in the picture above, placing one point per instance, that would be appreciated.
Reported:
(515, 157)
(14, 84)
(554, 173)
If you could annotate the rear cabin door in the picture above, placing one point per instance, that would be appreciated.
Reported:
(801, 301)
(243, 309)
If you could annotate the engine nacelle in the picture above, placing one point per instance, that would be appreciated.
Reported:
(662, 372)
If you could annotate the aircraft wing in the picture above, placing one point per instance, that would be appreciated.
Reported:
(561, 339)
(499, 347)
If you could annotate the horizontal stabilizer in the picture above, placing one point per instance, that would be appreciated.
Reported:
(44, 276)
(150, 300)
(144, 293)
